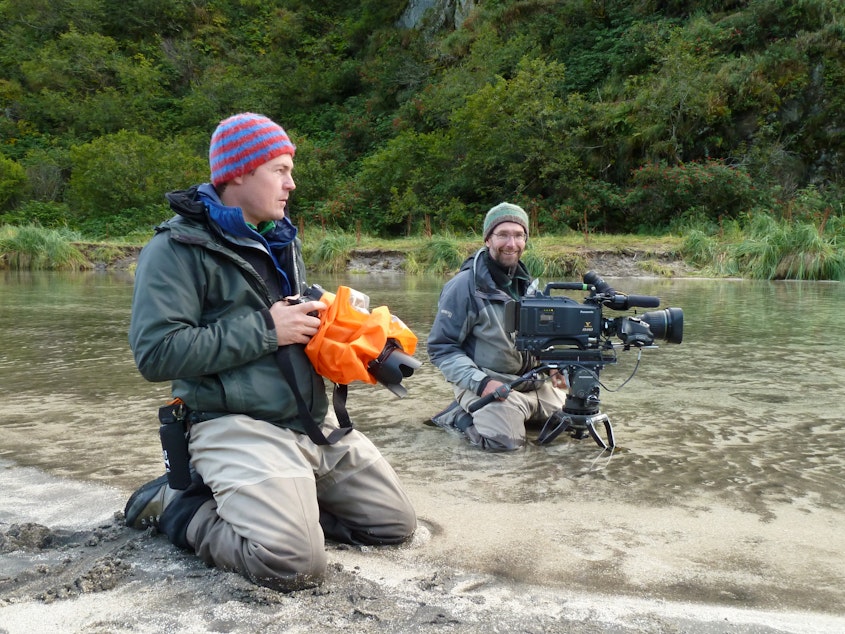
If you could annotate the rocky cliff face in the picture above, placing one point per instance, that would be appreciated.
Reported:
(436, 14)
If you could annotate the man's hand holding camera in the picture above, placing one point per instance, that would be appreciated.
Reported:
(500, 391)
(496, 387)
(295, 321)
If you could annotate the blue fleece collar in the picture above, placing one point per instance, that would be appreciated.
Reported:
(231, 221)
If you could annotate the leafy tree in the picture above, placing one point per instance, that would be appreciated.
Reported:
(679, 108)
(46, 171)
(406, 170)
(562, 106)
(127, 170)
(85, 84)
(12, 181)
(512, 139)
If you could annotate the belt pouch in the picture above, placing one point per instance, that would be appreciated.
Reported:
(174, 445)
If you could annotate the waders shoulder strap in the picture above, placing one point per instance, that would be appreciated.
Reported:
(338, 401)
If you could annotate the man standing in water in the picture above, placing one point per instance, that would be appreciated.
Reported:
(210, 314)
(472, 348)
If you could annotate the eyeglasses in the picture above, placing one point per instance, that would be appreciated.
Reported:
(505, 237)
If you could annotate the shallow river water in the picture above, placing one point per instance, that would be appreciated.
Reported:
(727, 484)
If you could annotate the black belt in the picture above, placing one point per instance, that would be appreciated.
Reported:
(198, 417)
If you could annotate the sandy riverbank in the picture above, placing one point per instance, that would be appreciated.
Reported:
(69, 565)
(618, 262)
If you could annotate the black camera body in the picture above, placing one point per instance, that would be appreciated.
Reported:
(560, 328)
(542, 320)
(575, 338)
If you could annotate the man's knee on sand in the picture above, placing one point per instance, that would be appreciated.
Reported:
(276, 560)
(395, 525)
(397, 531)
(282, 568)
(287, 570)
(295, 575)
(494, 442)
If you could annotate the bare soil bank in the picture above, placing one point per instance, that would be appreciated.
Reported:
(625, 262)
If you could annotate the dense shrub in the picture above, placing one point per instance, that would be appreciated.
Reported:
(50, 215)
(12, 181)
(660, 193)
(119, 173)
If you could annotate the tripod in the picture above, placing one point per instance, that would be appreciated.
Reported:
(581, 411)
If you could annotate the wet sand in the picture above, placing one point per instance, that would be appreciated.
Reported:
(69, 565)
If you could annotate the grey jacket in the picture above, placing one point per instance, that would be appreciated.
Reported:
(200, 319)
(469, 342)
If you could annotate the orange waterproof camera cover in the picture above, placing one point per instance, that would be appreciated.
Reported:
(351, 339)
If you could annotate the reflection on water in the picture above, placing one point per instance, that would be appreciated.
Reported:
(748, 409)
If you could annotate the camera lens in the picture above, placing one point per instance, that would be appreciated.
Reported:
(666, 325)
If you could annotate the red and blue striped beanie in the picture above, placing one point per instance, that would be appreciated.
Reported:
(242, 143)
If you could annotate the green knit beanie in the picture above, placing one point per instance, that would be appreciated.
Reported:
(504, 212)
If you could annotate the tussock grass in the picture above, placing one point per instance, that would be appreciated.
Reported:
(776, 249)
(331, 252)
(771, 249)
(554, 266)
(35, 248)
(437, 255)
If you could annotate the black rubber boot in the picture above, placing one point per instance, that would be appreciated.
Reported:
(181, 510)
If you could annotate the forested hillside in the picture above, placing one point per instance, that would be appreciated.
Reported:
(611, 115)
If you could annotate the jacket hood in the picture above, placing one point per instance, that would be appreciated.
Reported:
(187, 203)
(201, 207)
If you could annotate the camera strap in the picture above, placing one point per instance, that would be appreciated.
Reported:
(338, 402)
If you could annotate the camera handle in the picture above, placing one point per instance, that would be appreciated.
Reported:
(499, 394)
(580, 415)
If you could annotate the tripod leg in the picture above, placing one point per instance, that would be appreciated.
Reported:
(554, 427)
(608, 428)
(594, 435)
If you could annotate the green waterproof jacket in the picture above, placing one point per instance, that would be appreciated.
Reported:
(200, 319)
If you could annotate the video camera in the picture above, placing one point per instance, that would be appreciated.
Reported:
(576, 339)
(543, 322)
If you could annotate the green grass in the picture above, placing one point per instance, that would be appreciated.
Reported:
(35, 248)
(770, 249)
(764, 248)
(439, 255)
(780, 250)
(331, 253)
